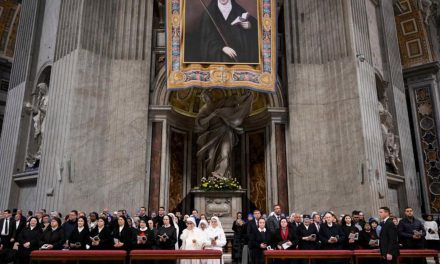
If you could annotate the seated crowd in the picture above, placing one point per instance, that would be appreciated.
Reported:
(22, 234)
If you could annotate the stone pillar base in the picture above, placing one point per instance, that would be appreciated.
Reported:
(224, 204)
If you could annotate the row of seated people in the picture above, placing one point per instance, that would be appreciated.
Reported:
(123, 237)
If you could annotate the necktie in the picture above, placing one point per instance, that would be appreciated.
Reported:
(7, 227)
(278, 218)
(382, 223)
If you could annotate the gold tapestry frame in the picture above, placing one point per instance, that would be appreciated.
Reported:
(260, 77)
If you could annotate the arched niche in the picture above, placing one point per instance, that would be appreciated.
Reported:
(173, 159)
(29, 152)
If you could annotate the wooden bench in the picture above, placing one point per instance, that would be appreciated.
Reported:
(78, 255)
(418, 253)
(308, 254)
(174, 254)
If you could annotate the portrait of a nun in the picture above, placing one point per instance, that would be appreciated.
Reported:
(227, 33)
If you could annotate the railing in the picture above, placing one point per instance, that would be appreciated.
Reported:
(354, 256)
(121, 255)
(418, 253)
(308, 254)
(136, 255)
(78, 255)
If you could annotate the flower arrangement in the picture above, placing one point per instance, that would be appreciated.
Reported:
(219, 184)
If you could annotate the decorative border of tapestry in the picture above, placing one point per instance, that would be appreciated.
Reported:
(214, 46)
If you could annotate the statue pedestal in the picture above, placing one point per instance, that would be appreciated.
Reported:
(224, 204)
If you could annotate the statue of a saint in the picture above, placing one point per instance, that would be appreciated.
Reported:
(390, 140)
(218, 124)
(38, 110)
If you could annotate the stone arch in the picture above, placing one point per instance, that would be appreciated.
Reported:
(44, 73)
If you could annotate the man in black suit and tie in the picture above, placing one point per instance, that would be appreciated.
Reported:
(252, 229)
(273, 222)
(7, 229)
(389, 246)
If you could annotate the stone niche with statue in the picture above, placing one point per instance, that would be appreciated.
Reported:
(218, 124)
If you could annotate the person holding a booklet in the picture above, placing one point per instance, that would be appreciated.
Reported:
(307, 234)
(144, 237)
(285, 237)
(259, 241)
(122, 235)
(412, 233)
(100, 235)
(351, 232)
(53, 237)
(216, 239)
(80, 237)
(166, 236)
(331, 235)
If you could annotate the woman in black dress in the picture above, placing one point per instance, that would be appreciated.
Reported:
(144, 238)
(351, 233)
(28, 240)
(239, 229)
(307, 234)
(80, 236)
(259, 241)
(122, 235)
(331, 236)
(100, 235)
(284, 237)
(368, 239)
(53, 237)
(166, 235)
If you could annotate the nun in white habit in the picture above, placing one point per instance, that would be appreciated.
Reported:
(216, 239)
(192, 239)
(173, 219)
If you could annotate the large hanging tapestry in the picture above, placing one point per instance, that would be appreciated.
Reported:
(221, 44)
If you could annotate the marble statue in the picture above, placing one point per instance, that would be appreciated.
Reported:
(426, 7)
(38, 110)
(390, 140)
(218, 124)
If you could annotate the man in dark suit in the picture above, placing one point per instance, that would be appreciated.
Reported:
(158, 220)
(412, 234)
(252, 229)
(7, 229)
(19, 224)
(273, 222)
(389, 246)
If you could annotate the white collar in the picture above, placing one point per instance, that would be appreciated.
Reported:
(225, 9)
(143, 229)
(330, 224)
(386, 219)
(80, 229)
(262, 230)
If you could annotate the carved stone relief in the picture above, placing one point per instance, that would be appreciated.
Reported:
(218, 207)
